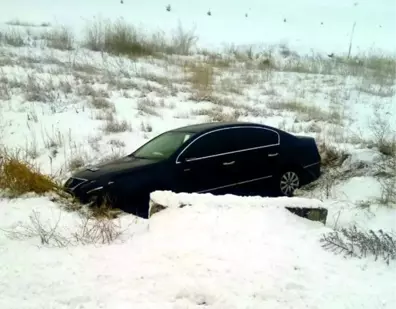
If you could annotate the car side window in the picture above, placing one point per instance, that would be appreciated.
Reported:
(211, 144)
(256, 137)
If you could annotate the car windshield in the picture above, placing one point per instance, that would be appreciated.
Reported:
(162, 146)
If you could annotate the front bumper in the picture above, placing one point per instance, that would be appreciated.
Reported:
(76, 187)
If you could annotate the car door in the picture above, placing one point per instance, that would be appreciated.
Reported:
(205, 165)
(257, 159)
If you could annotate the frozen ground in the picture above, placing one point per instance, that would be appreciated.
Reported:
(64, 109)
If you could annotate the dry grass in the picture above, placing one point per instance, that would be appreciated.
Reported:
(148, 107)
(12, 37)
(383, 90)
(113, 125)
(122, 38)
(383, 135)
(93, 228)
(201, 77)
(87, 89)
(307, 111)
(101, 103)
(116, 143)
(231, 85)
(60, 38)
(146, 127)
(18, 177)
(218, 113)
(20, 23)
(76, 163)
(330, 156)
(39, 89)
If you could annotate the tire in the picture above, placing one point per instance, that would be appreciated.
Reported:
(288, 182)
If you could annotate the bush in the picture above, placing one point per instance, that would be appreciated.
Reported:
(19, 177)
(118, 38)
(355, 243)
(121, 38)
(331, 157)
(90, 230)
(12, 37)
(60, 38)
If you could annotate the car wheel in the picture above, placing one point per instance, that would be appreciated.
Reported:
(289, 181)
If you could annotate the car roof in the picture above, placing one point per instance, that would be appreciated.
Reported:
(209, 126)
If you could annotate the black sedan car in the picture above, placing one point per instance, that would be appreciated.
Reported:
(236, 158)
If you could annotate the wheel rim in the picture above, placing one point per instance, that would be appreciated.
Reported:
(289, 182)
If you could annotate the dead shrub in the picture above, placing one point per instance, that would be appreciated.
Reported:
(218, 114)
(98, 228)
(306, 111)
(39, 90)
(90, 230)
(354, 242)
(116, 126)
(101, 103)
(182, 41)
(87, 89)
(201, 76)
(331, 157)
(12, 37)
(117, 37)
(19, 177)
(60, 38)
(76, 163)
(383, 134)
(116, 143)
(147, 107)
(20, 23)
(47, 232)
(121, 38)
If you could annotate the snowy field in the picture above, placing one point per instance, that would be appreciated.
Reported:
(321, 69)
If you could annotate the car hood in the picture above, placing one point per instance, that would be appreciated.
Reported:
(112, 168)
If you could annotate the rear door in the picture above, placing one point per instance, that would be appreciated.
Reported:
(257, 159)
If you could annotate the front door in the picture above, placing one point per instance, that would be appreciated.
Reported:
(207, 164)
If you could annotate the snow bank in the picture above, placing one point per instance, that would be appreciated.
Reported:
(234, 255)
(220, 258)
(178, 200)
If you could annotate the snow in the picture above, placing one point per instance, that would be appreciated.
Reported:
(198, 256)
(178, 200)
(224, 252)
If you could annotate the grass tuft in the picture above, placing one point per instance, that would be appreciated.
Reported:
(60, 38)
(331, 157)
(19, 177)
(121, 38)
(201, 77)
(12, 37)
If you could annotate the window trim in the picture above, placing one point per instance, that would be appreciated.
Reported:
(230, 152)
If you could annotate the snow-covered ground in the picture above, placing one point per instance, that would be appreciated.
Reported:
(219, 253)
(62, 109)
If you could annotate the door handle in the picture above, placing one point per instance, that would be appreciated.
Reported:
(272, 154)
(229, 163)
